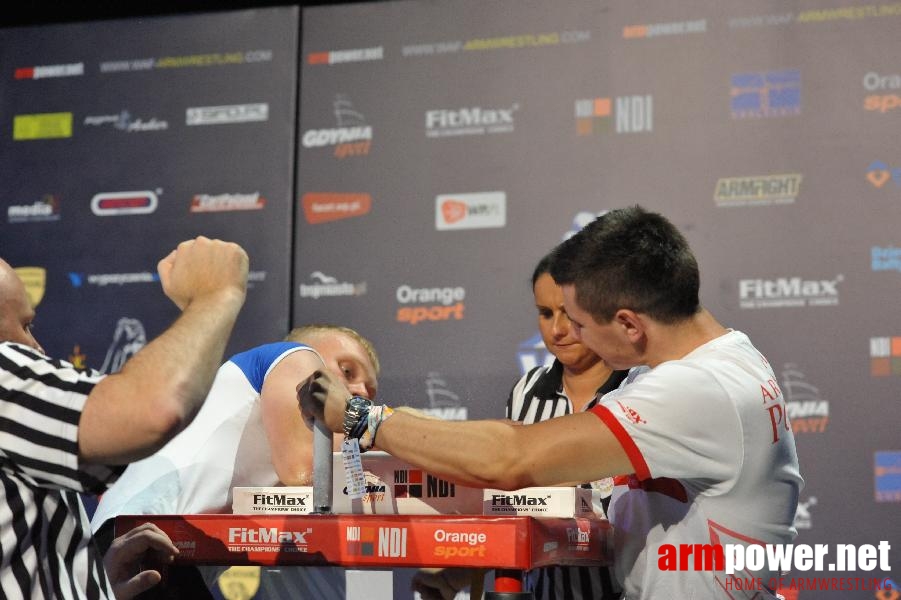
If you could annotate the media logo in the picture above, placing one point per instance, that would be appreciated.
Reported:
(479, 210)
(663, 29)
(474, 120)
(443, 403)
(885, 356)
(49, 71)
(533, 353)
(887, 473)
(803, 518)
(879, 173)
(326, 286)
(222, 115)
(788, 292)
(807, 410)
(128, 339)
(765, 94)
(42, 126)
(35, 281)
(45, 209)
(322, 207)
(434, 304)
(388, 542)
(763, 190)
(887, 258)
(885, 92)
(123, 121)
(110, 204)
(622, 114)
(351, 137)
(202, 203)
(338, 57)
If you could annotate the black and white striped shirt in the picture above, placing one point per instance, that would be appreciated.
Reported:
(539, 396)
(46, 550)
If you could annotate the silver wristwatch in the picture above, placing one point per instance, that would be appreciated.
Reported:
(355, 410)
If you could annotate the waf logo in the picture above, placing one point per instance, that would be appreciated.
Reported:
(879, 173)
(389, 542)
(124, 203)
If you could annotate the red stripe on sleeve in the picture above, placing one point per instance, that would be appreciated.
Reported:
(624, 439)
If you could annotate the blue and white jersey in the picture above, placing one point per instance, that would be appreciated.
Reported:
(224, 446)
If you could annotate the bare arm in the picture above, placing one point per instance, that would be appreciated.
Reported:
(497, 454)
(131, 414)
(290, 437)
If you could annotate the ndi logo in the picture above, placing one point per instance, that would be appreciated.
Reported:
(625, 114)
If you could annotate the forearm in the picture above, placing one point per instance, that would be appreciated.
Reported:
(472, 453)
(131, 414)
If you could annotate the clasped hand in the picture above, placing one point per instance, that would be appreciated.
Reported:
(323, 397)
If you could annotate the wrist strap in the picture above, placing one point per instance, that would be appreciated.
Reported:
(377, 415)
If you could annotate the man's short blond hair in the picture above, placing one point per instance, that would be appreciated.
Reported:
(303, 334)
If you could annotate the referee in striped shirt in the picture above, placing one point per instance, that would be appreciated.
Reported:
(65, 431)
(575, 381)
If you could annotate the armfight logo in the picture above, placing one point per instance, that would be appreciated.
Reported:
(763, 190)
(533, 353)
(880, 173)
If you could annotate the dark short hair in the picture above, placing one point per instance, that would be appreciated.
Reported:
(630, 258)
(543, 266)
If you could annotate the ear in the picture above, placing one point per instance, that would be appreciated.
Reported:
(631, 324)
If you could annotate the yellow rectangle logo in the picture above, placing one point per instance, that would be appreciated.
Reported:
(42, 126)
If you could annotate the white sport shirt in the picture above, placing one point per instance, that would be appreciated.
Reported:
(715, 463)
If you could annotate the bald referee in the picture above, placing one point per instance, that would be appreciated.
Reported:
(67, 431)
